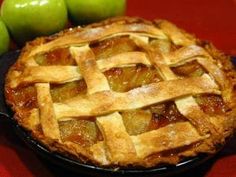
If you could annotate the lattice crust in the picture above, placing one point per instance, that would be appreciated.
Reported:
(199, 132)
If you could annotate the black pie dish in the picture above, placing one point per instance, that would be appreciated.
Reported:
(76, 166)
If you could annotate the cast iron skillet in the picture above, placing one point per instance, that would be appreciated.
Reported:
(6, 61)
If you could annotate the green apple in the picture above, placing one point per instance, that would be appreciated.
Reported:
(4, 38)
(88, 11)
(27, 19)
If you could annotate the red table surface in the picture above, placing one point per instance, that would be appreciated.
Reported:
(209, 20)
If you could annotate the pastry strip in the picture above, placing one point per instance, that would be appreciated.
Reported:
(47, 116)
(97, 33)
(108, 101)
(85, 59)
(111, 125)
(34, 74)
(175, 34)
(99, 153)
(119, 145)
(169, 137)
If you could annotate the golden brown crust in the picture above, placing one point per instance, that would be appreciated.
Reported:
(199, 133)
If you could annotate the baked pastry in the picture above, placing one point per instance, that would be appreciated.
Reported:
(124, 92)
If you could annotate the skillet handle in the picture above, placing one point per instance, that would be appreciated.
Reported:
(6, 60)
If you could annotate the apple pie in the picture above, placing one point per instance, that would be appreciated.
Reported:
(124, 92)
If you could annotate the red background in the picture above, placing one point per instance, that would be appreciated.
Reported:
(208, 19)
(213, 20)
